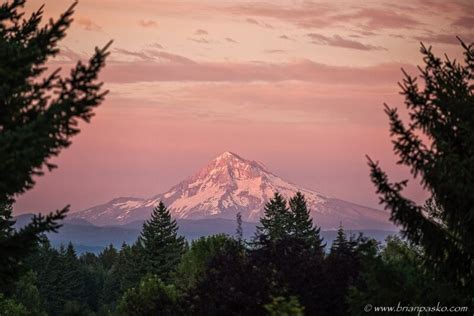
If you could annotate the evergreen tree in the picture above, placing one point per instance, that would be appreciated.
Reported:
(231, 284)
(395, 275)
(128, 270)
(276, 220)
(340, 245)
(341, 267)
(47, 262)
(72, 275)
(302, 224)
(195, 260)
(16, 245)
(162, 246)
(39, 113)
(438, 145)
(27, 294)
(111, 289)
(93, 276)
(286, 244)
(108, 257)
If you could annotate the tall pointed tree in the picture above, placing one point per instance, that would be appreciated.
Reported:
(340, 245)
(161, 244)
(341, 271)
(438, 145)
(302, 224)
(16, 245)
(39, 114)
(275, 223)
(72, 276)
(108, 257)
(39, 110)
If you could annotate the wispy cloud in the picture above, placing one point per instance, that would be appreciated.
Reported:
(274, 51)
(201, 32)
(137, 54)
(450, 39)
(304, 14)
(157, 45)
(339, 41)
(328, 14)
(231, 40)
(148, 23)
(88, 25)
(174, 68)
(201, 40)
(465, 22)
(171, 58)
(286, 37)
(152, 57)
(259, 23)
(373, 19)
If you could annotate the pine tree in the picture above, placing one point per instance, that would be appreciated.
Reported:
(27, 294)
(230, 284)
(400, 263)
(194, 261)
(72, 276)
(276, 220)
(302, 224)
(129, 266)
(341, 272)
(47, 262)
(162, 246)
(108, 257)
(438, 145)
(6, 220)
(16, 245)
(39, 113)
(340, 245)
(286, 244)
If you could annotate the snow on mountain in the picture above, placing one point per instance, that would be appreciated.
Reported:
(231, 184)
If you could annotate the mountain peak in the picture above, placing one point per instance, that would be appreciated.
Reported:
(232, 166)
(227, 155)
(226, 168)
(230, 184)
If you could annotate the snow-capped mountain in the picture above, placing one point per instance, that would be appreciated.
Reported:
(231, 184)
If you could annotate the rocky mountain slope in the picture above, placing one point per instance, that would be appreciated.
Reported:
(231, 184)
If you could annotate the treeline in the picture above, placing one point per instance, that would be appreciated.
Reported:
(283, 270)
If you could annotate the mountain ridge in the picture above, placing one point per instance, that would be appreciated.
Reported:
(229, 184)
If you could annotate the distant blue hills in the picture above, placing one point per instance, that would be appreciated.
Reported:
(88, 237)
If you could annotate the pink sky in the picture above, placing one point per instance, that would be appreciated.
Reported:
(298, 85)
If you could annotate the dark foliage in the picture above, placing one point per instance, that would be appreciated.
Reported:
(438, 145)
(159, 241)
(39, 113)
(232, 285)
